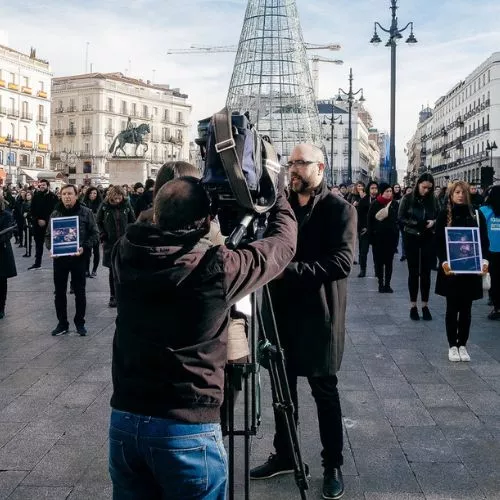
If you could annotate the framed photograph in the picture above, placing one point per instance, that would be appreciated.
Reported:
(463, 248)
(65, 235)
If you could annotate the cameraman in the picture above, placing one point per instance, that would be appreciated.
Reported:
(174, 290)
(309, 301)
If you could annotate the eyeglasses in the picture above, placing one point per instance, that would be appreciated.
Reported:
(299, 163)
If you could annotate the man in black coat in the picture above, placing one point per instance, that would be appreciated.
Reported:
(76, 264)
(42, 206)
(363, 208)
(309, 300)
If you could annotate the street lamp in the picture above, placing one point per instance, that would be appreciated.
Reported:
(10, 140)
(395, 34)
(333, 119)
(350, 100)
(488, 173)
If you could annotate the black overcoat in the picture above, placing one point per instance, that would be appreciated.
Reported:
(7, 261)
(459, 285)
(310, 299)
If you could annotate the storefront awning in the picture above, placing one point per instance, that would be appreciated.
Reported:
(36, 175)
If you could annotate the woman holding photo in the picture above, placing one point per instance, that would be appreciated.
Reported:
(460, 290)
(7, 262)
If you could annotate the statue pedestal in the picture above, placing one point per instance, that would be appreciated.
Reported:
(127, 170)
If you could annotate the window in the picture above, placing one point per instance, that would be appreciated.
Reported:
(39, 162)
(24, 161)
(124, 125)
(110, 104)
(26, 81)
(166, 115)
(1, 157)
(87, 148)
(12, 78)
(124, 108)
(87, 166)
(180, 118)
(12, 105)
(87, 123)
(134, 109)
(25, 133)
(155, 111)
(109, 124)
(41, 112)
(40, 137)
(145, 112)
(72, 105)
(41, 86)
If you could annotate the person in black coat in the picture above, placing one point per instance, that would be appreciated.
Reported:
(363, 239)
(460, 290)
(18, 216)
(383, 232)
(146, 199)
(42, 206)
(309, 301)
(417, 215)
(93, 200)
(7, 262)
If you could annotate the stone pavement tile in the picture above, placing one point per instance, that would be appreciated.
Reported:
(49, 386)
(21, 453)
(40, 493)
(359, 337)
(23, 409)
(23, 350)
(374, 460)
(393, 476)
(405, 412)
(74, 366)
(395, 387)
(8, 367)
(9, 479)
(8, 430)
(99, 372)
(381, 368)
(354, 381)
(493, 382)
(482, 402)
(394, 496)
(461, 377)
(438, 395)
(492, 424)
(360, 403)
(425, 444)
(63, 465)
(23, 378)
(447, 480)
(366, 432)
(417, 374)
(80, 394)
(7, 395)
(53, 356)
(485, 369)
(461, 416)
(408, 357)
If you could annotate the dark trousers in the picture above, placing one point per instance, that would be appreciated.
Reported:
(3, 293)
(39, 237)
(495, 279)
(20, 231)
(383, 259)
(458, 318)
(96, 251)
(326, 395)
(420, 256)
(63, 267)
(364, 248)
(111, 283)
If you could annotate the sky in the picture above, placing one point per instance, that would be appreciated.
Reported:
(133, 36)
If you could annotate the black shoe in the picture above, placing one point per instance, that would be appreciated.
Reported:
(494, 315)
(87, 274)
(34, 266)
(81, 330)
(59, 330)
(426, 314)
(71, 291)
(275, 466)
(414, 314)
(2, 314)
(490, 301)
(112, 302)
(333, 484)
(362, 273)
(26, 255)
(402, 258)
(381, 289)
(388, 289)
(93, 274)
(355, 262)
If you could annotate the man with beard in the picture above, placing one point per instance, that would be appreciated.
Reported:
(76, 264)
(315, 285)
(42, 205)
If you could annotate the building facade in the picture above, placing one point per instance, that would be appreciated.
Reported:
(89, 110)
(365, 149)
(24, 116)
(453, 143)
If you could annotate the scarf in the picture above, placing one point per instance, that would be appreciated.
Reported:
(383, 201)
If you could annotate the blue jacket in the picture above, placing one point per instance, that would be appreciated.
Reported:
(493, 224)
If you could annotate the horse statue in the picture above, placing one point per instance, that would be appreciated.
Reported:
(132, 135)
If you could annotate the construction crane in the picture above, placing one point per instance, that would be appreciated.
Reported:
(208, 49)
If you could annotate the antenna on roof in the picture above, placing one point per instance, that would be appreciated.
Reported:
(87, 57)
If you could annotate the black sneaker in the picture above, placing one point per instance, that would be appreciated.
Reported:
(59, 330)
(275, 466)
(388, 289)
(34, 266)
(402, 258)
(81, 330)
(494, 315)
(414, 314)
(87, 274)
(333, 484)
(362, 273)
(426, 314)
(381, 289)
(93, 274)
(2, 314)
(112, 302)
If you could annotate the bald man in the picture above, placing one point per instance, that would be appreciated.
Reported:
(309, 299)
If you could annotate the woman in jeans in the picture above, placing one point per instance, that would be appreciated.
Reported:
(417, 215)
(460, 290)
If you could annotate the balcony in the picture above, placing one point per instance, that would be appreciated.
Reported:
(26, 116)
(3, 83)
(13, 113)
(109, 132)
(180, 121)
(42, 94)
(13, 86)
(71, 109)
(58, 132)
(27, 90)
(43, 147)
(42, 120)
(27, 144)
(3, 111)
(110, 109)
(71, 131)
(59, 110)
(87, 131)
(87, 107)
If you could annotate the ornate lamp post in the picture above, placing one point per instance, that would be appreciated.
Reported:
(333, 119)
(488, 173)
(395, 33)
(350, 100)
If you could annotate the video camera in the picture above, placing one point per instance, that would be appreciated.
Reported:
(241, 168)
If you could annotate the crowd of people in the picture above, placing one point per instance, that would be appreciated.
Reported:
(163, 250)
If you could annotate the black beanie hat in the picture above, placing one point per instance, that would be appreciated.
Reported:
(382, 187)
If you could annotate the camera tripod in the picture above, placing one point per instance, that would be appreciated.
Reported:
(265, 350)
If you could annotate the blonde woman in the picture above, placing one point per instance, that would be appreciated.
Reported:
(460, 290)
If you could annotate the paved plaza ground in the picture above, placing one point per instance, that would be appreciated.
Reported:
(416, 426)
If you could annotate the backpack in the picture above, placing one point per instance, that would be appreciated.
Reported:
(239, 163)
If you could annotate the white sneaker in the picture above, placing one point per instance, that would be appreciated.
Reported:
(464, 355)
(453, 354)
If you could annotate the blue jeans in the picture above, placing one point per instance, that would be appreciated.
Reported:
(158, 459)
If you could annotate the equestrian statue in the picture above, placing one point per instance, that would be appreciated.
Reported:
(131, 135)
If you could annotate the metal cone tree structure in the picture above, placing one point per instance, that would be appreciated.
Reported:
(271, 78)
